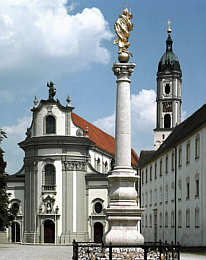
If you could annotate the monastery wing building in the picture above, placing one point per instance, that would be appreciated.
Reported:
(62, 190)
(173, 174)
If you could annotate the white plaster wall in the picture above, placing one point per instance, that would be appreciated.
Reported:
(58, 166)
(50, 151)
(94, 155)
(158, 138)
(58, 114)
(73, 129)
(16, 193)
(186, 236)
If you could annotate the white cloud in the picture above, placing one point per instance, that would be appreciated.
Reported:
(107, 124)
(15, 133)
(143, 113)
(37, 30)
(143, 107)
(143, 116)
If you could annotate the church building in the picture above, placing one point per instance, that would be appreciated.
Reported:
(62, 190)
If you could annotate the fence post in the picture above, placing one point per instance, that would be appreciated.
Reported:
(178, 250)
(110, 251)
(75, 250)
(172, 250)
(160, 249)
(145, 253)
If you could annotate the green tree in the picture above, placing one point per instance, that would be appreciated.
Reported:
(4, 198)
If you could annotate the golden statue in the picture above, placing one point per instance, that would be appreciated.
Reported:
(123, 26)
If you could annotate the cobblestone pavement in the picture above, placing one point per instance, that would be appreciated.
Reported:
(35, 252)
(48, 252)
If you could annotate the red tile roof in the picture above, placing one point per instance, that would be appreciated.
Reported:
(100, 138)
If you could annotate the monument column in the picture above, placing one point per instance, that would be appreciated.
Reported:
(123, 213)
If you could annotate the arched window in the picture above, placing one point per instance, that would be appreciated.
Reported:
(98, 207)
(50, 125)
(106, 166)
(167, 121)
(49, 177)
(98, 165)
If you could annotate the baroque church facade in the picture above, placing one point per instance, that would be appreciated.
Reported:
(173, 174)
(62, 190)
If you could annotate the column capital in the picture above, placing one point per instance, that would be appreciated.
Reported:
(123, 69)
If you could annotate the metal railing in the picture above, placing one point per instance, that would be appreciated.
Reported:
(150, 250)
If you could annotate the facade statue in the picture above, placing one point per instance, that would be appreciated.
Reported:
(123, 26)
(52, 90)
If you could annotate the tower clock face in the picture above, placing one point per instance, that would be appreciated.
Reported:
(167, 107)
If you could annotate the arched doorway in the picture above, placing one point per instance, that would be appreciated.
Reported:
(49, 231)
(98, 232)
(15, 232)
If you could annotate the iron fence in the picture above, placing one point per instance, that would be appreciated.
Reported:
(147, 251)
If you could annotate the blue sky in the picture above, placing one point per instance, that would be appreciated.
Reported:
(71, 43)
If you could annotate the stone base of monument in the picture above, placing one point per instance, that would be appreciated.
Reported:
(3, 237)
(123, 213)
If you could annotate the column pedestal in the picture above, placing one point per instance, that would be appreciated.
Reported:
(123, 213)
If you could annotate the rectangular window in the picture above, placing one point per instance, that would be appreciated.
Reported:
(188, 218)
(197, 188)
(150, 173)
(166, 165)
(160, 167)
(197, 218)
(151, 197)
(166, 193)
(188, 190)
(172, 219)
(187, 153)
(197, 147)
(180, 156)
(172, 161)
(155, 171)
(142, 178)
(146, 176)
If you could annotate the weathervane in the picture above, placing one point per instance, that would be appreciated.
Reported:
(123, 26)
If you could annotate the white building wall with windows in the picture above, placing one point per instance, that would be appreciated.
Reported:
(190, 193)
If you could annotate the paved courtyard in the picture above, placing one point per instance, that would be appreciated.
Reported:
(48, 252)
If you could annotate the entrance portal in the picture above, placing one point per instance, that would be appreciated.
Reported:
(98, 232)
(15, 232)
(49, 231)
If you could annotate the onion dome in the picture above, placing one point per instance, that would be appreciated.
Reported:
(169, 62)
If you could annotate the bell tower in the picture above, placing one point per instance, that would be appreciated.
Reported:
(169, 84)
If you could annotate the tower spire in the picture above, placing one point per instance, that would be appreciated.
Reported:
(169, 84)
(169, 39)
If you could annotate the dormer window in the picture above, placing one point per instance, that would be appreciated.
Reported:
(50, 125)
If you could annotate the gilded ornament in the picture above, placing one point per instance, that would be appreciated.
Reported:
(123, 26)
